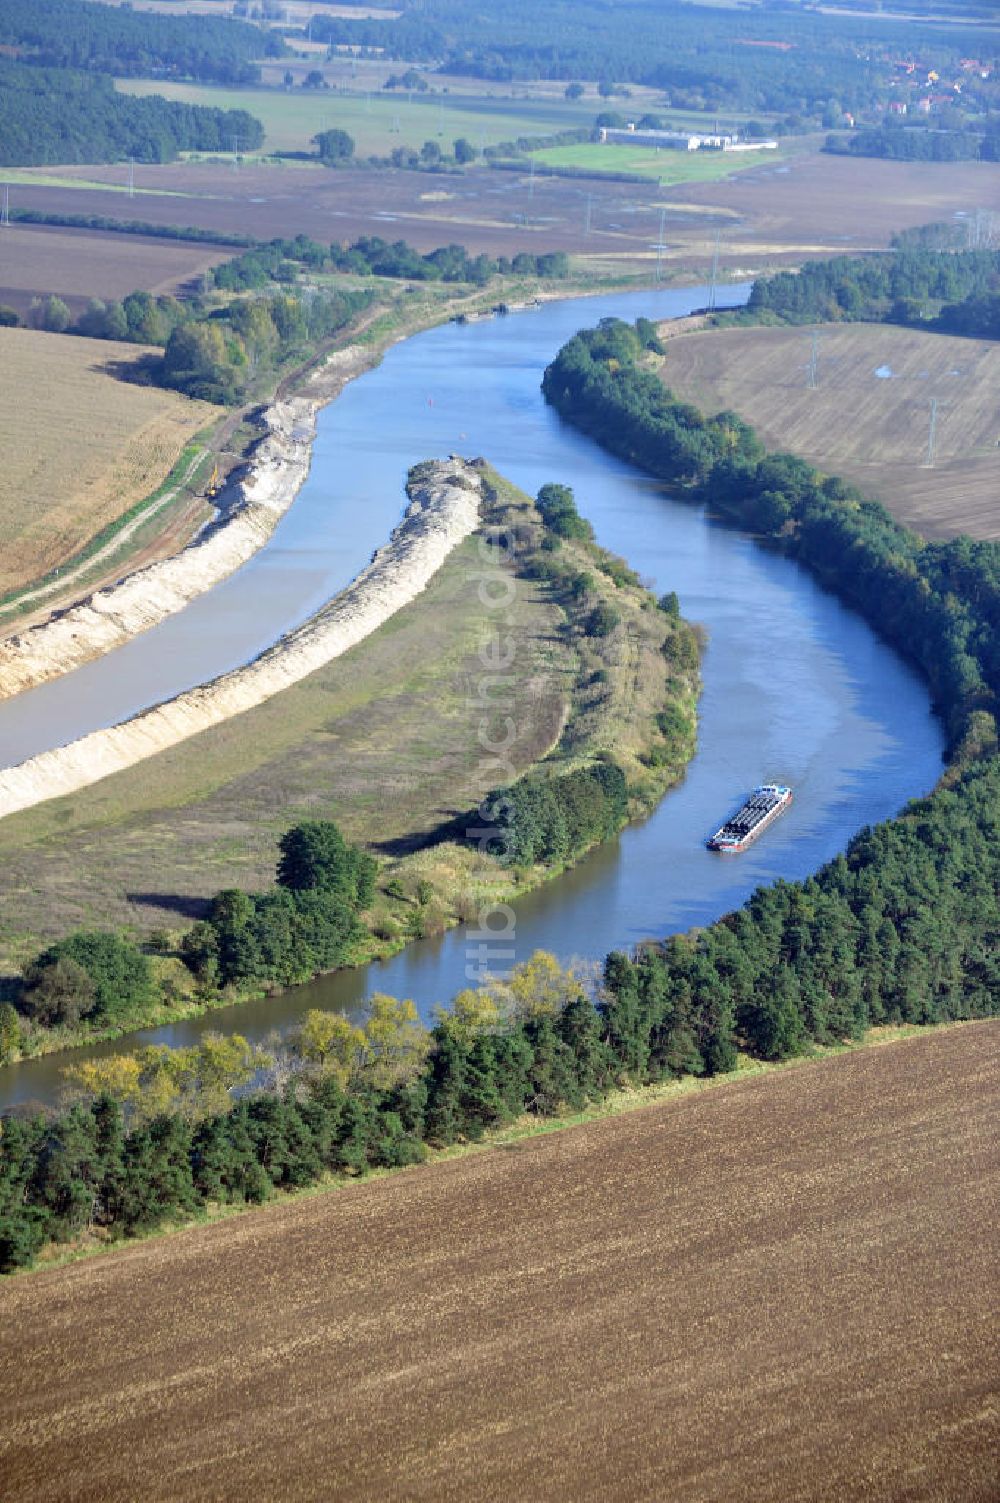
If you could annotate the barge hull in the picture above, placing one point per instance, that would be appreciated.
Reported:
(759, 811)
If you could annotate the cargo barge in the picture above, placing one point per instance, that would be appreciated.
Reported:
(761, 809)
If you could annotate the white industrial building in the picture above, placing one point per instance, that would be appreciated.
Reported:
(677, 140)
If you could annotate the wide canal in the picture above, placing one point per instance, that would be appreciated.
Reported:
(797, 688)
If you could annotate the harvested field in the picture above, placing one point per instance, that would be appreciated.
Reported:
(814, 205)
(829, 205)
(782, 1287)
(80, 447)
(36, 260)
(869, 415)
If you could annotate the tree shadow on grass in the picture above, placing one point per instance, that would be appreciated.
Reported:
(137, 370)
(10, 988)
(184, 904)
(453, 828)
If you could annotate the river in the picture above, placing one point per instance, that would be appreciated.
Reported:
(797, 688)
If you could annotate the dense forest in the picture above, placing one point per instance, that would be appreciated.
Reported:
(115, 39)
(791, 62)
(902, 927)
(904, 144)
(60, 115)
(938, 603)
(953, 292)
(919, 145)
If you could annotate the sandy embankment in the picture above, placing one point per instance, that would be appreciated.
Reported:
(111, 616)
(444, 509)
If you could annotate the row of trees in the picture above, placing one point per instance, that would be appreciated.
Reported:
(195, 233)
(305, 924)
(912, 284)
(118, 40)
(371, 255)
(902, 928)
(283, 260)
(921, 144)
(56, 115)
(938, 603)
(212, 353)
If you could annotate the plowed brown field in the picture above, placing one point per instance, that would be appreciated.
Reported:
(779, 1288)
(81, 264)
(813, 205)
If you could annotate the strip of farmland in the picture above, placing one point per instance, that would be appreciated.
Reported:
(781, 1287)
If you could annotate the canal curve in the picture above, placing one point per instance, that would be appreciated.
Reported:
(797, 688)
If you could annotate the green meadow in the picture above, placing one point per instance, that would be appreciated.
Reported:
(664, 166)
(379, 121)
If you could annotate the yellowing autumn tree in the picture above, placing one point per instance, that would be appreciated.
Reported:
(396, 1042)
(331, 1041)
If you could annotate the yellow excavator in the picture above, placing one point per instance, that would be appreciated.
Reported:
(213, 487)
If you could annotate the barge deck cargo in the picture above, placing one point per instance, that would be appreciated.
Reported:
(761, 809)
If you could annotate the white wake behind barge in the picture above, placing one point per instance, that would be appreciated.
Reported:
(761, 809)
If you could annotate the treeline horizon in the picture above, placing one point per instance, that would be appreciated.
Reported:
(802, 65)
(54, 116)
(115, 39)
(899, 143)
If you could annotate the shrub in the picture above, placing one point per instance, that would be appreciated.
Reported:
(88, 974)
(602, 620)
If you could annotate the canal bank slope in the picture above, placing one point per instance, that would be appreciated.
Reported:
(444, 508)
(68, 635)
(109, 617)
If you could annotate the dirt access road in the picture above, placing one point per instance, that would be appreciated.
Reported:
(784, 1287)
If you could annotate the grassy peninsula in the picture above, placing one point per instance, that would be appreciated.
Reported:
(382, 740)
